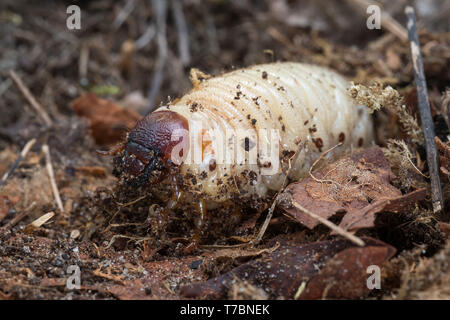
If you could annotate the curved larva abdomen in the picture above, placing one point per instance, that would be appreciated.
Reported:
(307, 106)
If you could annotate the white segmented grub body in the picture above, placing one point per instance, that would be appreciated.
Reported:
(307, 105)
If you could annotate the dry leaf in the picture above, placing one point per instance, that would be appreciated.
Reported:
(108, 120)
(358, 186)
(345, 275)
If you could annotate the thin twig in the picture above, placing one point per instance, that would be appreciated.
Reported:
(424, 110)
(160, 8)
(323, 154)
(386, 20)
(83, 62)
(211, 31)
(29, 96)
(51, 175)
(148, 35)
(123, 14)
(330, 225)
(127, 204)
(21, 156)
(266, 223)
(182, 30)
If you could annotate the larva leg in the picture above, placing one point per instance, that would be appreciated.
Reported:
(175, 200)
(199, 225)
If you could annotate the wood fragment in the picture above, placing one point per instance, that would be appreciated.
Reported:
(51, 175)
(30, 98)
(39, 222)
(424, 110)
(330, 225)
(42, 219)
(16, 163)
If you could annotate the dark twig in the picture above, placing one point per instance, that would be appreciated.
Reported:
(424, 110)
(263, 229)
(145, 39)
(160, 8)
(211, 31)
(123, 14)
(22, 155)
(183, 35)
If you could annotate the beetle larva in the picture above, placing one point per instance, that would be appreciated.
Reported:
(217, 137)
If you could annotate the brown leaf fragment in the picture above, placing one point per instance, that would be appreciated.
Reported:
(358, 185)
(130, 290)
(325, 208)
(280, 273)
(108, 120)
(345, 275)
(356, 219)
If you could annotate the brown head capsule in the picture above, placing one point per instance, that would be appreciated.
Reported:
(147, 152)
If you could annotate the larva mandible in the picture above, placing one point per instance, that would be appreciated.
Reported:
(305, 107)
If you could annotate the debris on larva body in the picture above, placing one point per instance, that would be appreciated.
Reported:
(245, 130)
